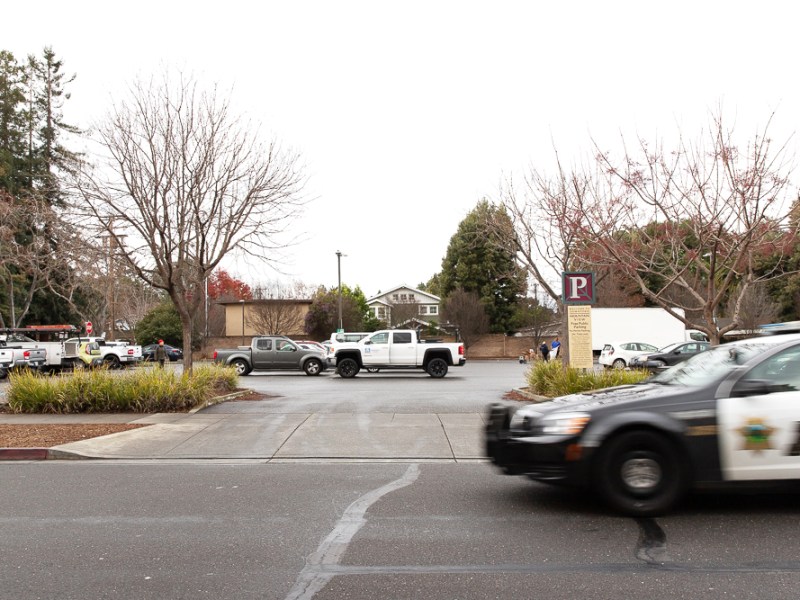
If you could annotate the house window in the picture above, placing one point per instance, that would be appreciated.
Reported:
(423, 310)
(394, 297)
(403, 297)
(433, 310)
(411, 297)
(381, 312)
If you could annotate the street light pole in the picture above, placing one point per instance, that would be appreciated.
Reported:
(339, 267)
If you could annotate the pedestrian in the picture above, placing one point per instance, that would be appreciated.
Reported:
(554, 348)
(545, 350)
(161, 353)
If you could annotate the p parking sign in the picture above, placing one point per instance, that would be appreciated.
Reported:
(577, 288)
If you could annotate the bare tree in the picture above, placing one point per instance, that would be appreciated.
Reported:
(545, 223)
(278, 316)
(283, 289)
(280, 307)
(184, 184)
(536, 320)
(401, 312)
(39, 250)
(135, 300)
(465, 311)
(755, 308)
(690, 225)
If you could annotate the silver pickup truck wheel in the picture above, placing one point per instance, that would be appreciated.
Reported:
(241, 366)
(313, 366)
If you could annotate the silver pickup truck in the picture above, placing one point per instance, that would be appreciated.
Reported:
(273, 353)
(12, 358)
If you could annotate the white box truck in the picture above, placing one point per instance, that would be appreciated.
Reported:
(651, 325)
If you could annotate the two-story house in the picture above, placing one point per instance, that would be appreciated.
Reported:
(404, 305)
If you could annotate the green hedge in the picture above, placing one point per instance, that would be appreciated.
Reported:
(140, 390)
(552, 379)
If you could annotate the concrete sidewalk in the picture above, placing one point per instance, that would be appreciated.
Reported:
(269, 437)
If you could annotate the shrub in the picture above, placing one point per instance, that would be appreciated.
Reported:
(141, 390)
(553, 379)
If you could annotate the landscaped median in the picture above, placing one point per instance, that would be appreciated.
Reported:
(550, 379)
(104, 391)
(135, 392)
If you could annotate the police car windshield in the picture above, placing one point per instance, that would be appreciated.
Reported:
(709, 366)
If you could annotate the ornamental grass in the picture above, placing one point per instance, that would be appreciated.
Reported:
(138, 390)
(552, 378)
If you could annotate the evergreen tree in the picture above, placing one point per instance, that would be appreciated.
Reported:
(161, 323)
(323, 316)
(12, 122)
(480, 259)
(48, 154)
(32, 162)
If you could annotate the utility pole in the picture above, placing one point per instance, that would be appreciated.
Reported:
(111, 288)
(339, 267)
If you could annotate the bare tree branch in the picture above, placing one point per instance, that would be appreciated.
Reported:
(185, 184)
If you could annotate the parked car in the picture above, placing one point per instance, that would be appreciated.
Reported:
(173, 353)
(669, 355)
(89, 355)
(618, 355)
(311, 345)
(725, 418)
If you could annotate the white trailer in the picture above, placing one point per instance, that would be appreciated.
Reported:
(651, 325)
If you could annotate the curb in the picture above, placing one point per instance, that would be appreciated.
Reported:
(218, 400)
(530, 396)
(24, 453)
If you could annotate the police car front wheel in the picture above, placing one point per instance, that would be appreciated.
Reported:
(639, 473)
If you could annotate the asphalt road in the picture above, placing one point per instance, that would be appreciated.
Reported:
(372, 529)
(85, 529)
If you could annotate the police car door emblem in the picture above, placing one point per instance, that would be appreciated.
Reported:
(756, 433)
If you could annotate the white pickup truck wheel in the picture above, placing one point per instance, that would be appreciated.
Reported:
(437, 368)
(347, 368)
(112, 361)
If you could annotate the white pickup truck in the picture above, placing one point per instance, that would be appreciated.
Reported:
(58, 356)
(398, 349)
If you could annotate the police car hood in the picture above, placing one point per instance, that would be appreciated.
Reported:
(613, 396)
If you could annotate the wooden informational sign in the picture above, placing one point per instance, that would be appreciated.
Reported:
(579, 323)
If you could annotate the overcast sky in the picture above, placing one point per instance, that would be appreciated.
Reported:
(408, 113)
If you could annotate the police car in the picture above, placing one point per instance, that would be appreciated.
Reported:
(729, 416)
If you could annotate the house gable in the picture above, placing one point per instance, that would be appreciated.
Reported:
(427, 304)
